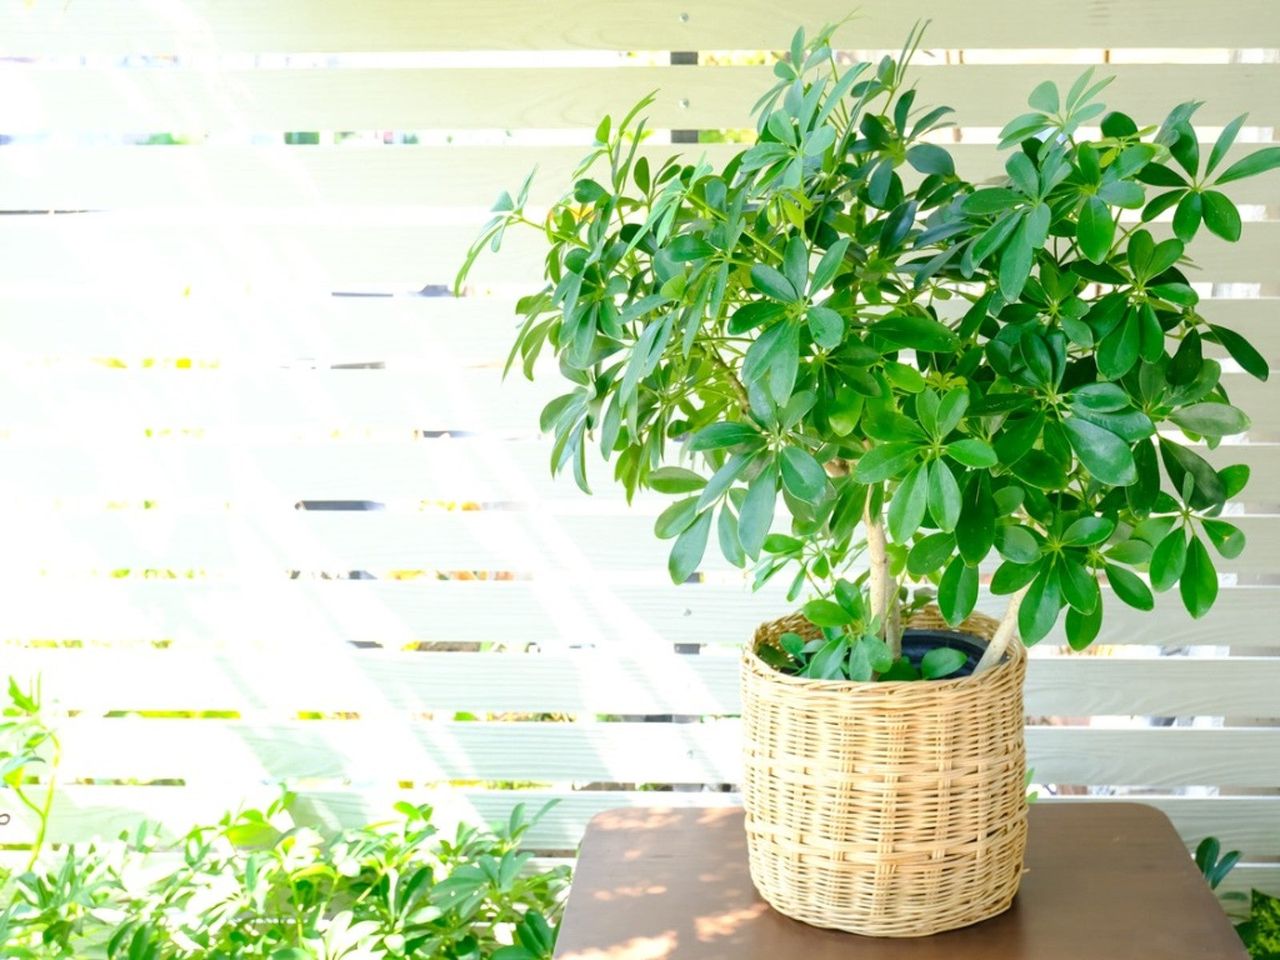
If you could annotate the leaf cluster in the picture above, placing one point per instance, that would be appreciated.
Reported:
(838, 331)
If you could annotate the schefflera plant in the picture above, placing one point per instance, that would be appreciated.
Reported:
(840, 330)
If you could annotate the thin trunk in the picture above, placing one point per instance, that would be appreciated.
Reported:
(1004, 633)
(882, 587)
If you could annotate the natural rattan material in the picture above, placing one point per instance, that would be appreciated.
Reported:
(893, 809)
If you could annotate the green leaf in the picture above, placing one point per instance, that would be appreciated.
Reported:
(1261, 932)
(795, 264)
(972, 453)
(1186, 219)
(1242, 352)
(727, 534)
(1199, 583)
(1227, 538)
(906, 509)
(930, 553)
(802, 475)
(1211, 419)
(1181, 461)
(916, 332)
(975, 530)
(1044, 97)
(941, 662)
(1079, 585)
(675, 480)
(1016, 543)
(1011, 577)
(1015, 263)
(1223, 143)
(1082, 628)
(989, 200)
(688, 549)
(884, 461)
(826, 613)
(1257, 162)
(1095, 230)
(773, 284)
(929, 158)
(1103, 454)
(957, 591)
(867, 657)
(944, 496)
(1168, 560)
(719, 435)
(826, 326)
(1088, 531)
(1221, 216)
(689, 247)
(1040, 607)
(1130, 588)
(676, 518)
(829, 265)
(756, 514)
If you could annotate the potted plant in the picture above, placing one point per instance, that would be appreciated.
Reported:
(872, 375)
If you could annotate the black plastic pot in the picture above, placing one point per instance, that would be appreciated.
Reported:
(916, 643)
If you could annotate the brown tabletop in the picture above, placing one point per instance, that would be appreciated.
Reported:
(1103, 882)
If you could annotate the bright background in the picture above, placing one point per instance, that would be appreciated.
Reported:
(269, 515)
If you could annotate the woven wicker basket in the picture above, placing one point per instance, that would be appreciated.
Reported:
(886, 809)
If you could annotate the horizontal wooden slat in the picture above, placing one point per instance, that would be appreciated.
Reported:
(83, 813)
(315, 258)
(69, 178)
(332, 541)
(615, 682)
(207, 101)
(253, 332)
(435, 396)
(320, 618)
(103, 26)
(463, 470)
(708, 752)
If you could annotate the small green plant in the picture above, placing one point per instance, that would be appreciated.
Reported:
(258, 886)
(836, 352)
(1214, 864)
(1261, 932)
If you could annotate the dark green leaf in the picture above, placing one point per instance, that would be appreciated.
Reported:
(1228, 539)
(929, 158)
(1095, 230)
(802, 475)
(989, 200)
(826, 613)
(1186, 219)
(1103, 454)
(1211, 419)
(826, 326)
(773, 284)
(688, 549)
(676, 518)
(1199, 583)
(944, 496)
(689, 247)
(756, 515)
(1130, 588)
(957, 591)
(1079, 585)
(675, 480)
(1168, 560)
(916, 332)
(1082, 628)
(930, 553)
(1221, 215)
(1016, 543)
(724, 435)
(1268, 158)
(1011, 577)
(975, 530)
(1040, 607)
(942, 662)
(1088, 531)
(1242, 351)
(884, 461)
(972, 453)
(907, 508)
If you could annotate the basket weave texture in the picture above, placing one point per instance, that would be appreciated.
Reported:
(894, 809)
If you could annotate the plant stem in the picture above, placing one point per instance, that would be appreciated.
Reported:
(1004, 633)
(738, 389)
(882, 588)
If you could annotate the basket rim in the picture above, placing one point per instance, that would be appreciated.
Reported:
(1015, 653)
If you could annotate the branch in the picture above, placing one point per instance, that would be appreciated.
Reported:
(1004, 633)
(882, 587)
(739, 390)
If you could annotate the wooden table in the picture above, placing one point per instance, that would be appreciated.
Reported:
(1103, 882)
